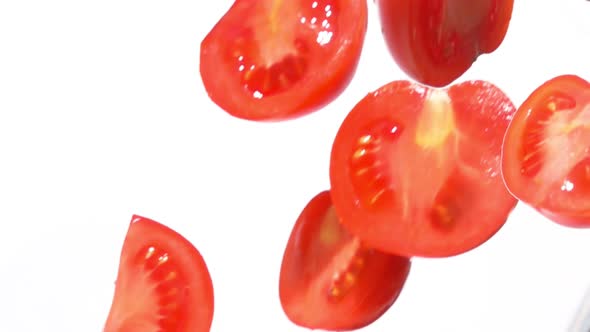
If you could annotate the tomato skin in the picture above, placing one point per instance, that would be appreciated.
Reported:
(328, 68)
(163, 283)
(436, 41)
(320, 250)
(415, 171)
(545, 158)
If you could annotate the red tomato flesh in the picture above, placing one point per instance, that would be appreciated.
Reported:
(278, 59)
(546, 153)
(415, 171)
(436, 41)
(329, 280)
(163, 283)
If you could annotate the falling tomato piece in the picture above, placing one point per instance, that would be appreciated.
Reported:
(329, 280)
(163, 283)
(546, 152)
(270, 60)
(415, 171)
(436, 41)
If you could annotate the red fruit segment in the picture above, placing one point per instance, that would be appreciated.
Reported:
(547, 151)
(436, 41)
(276, 59)
(329, 280)
(162, 285)
(423, 186)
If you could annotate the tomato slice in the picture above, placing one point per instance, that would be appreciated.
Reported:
(277, 59)
(329, 280)
(163, 283)
(546, 152)
(436, 41)
(415, 171)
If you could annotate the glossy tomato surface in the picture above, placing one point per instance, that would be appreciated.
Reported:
(436, 41)
(329, 280)
(163, 283)
(546, 154)
(416, 171)
(278, 59)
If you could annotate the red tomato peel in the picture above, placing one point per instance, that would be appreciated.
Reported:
(546, 151)
(270, 60)
(436, 41)
(329, 280)
(163, 283)
(415, 171)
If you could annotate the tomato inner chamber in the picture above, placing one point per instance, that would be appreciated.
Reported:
(369, 173)
(153, 280)
(421, 168)
(348, 264)
(265, 81)
(275, 53)
(556, 152)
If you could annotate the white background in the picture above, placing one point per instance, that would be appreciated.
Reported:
(103, 114)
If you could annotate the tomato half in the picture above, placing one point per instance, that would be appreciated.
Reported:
(329, 280)
(415, 171)
(546, 153)
(436, 41)
(279, 59)
(163, 283)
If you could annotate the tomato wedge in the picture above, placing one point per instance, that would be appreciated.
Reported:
(163, 283)
(415, 171)
(436, 41)
(329, 280)
(276, 59)
(546, 152)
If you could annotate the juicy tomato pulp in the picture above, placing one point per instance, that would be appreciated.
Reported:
(435, 42)
(278, 59)
(162, 285)
(546, 153)
(329, 280)
(416, 171)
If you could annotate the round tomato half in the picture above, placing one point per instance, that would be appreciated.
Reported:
(279, 59)
(163, 283)
(329, 280)
(416, 171)
(436, 41)
(546, 153)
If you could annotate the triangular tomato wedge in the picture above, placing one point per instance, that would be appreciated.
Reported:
(163, 283)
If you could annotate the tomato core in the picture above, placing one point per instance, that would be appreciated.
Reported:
(436, 122)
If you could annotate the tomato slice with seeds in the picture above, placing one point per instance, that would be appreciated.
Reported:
(163, 283)
(546, 152)
(329, 280)
(436, 41)
(278, 59)
(415, 171)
